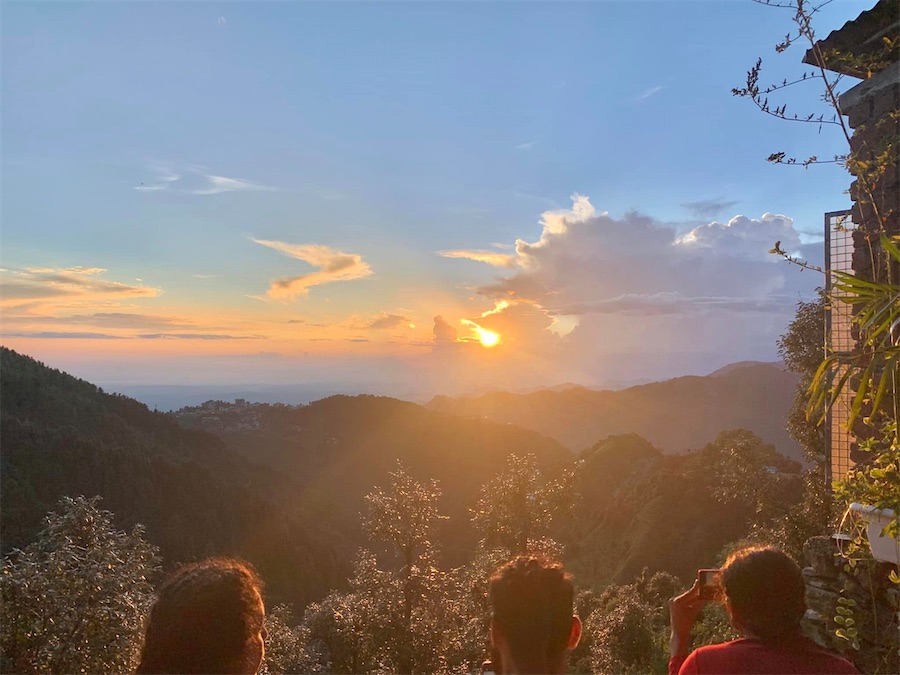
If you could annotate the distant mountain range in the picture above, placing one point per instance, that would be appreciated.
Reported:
(676, 415)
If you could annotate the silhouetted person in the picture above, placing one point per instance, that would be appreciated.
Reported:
(208, 618)
(533, 625)
(764, 595)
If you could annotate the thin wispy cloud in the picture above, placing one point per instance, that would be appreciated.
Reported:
(106, 320)
(490, 257)
(51, 335)
(66, 335)
(708, 208)
(647, 93)
(163, 179)
(525, 146)
(197, 336)
(195, 179)
(389, 321)
(333, 265)
(48, 284)
(218, 184)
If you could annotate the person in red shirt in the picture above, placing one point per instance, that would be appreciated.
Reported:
(764, 595)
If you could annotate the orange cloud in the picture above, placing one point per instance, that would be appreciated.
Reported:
(489, 257)
(333, 266)
(45, 285)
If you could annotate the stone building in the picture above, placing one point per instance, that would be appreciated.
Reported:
(868, 48)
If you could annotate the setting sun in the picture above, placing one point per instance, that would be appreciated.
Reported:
(488, 337)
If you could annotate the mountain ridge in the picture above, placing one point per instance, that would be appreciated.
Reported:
(675, 415)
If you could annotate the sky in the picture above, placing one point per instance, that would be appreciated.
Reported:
(448, 196)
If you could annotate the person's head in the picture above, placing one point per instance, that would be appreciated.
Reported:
(764, 592)
(533, 622)
(208, 618)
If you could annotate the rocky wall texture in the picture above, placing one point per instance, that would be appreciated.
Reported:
(872, 109)
(871, 601)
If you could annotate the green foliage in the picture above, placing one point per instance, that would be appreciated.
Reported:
(633, 512)
(802, 347)
(872, 367)
(389, 621)
(713, 626)
(876, 481)
(627, 626)
(624, 639)
(519, 504)
(74, 599)
(404, 517)
(287, 645)
(846, 620)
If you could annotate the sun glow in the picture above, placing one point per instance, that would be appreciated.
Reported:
(488, 337)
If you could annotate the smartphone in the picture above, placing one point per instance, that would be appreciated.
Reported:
(710, 582)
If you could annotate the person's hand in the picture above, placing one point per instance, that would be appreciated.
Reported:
(683, 612)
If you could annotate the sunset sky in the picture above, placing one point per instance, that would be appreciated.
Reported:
(456, 194)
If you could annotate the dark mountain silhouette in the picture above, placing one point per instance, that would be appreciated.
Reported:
(675, 415)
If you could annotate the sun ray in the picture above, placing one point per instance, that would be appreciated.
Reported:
(487, 338)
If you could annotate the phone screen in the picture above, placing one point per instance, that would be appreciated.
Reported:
(710, 581)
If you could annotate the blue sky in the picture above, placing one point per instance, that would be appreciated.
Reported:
(161, 142)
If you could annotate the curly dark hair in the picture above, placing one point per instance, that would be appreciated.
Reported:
(532, 598)
(765, 589)
(204, 619)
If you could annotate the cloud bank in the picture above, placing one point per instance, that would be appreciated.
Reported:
(597, 295)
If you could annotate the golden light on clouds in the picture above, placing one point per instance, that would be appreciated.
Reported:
(333, 265)
(487, 338)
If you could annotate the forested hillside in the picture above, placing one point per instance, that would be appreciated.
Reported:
(642, 508)
(675, 415)
(339, 447)
(62, 436)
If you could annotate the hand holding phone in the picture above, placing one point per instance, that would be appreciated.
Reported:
(710, 583)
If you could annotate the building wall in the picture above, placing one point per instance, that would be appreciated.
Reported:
(872, 109)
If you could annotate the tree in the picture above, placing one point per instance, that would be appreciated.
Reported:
(626, 633)
(287, 645)
(389, 620)
(747, 472)
(517, 506)
(404, 517)
(74, 600)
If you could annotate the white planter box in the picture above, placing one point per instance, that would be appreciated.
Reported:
(884, 547)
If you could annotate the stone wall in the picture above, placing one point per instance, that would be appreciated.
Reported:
(872, 109)
(876, 613)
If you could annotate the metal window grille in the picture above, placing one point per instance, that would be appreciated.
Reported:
(839, 338)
